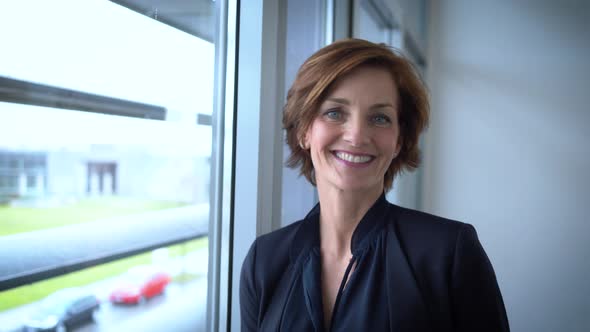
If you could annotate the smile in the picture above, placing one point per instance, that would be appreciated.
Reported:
(356, 159)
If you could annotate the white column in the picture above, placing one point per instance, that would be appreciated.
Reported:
(22, 184)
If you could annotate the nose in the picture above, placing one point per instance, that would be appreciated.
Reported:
(356, 132)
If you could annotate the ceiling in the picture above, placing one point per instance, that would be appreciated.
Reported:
(196, 17)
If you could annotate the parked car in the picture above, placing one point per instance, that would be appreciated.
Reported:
(139, 284)
(63, 310)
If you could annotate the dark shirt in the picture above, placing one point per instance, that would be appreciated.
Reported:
(414, 272)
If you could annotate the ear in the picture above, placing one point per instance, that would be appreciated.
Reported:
(302, 145)
(303, 142)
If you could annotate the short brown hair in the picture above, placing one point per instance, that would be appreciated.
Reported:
(323, 68)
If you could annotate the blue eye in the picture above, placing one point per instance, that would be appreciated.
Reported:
(381, 119)
(333, 114)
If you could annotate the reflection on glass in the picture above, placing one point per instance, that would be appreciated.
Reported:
(83, 184)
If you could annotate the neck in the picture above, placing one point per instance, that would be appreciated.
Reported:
(341, 211)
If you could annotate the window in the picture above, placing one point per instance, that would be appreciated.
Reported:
(374, 20)
(106, 143)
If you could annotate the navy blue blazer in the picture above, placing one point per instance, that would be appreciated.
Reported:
(414, 272)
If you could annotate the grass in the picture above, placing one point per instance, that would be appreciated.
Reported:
(15, 220)
(186, 277)
(30, 293)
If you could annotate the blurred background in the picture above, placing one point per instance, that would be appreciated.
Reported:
(141, 149)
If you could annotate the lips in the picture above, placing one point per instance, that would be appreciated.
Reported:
(353, 158)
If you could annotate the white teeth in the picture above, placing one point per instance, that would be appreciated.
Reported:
(352, 158)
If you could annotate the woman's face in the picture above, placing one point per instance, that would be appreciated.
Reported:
(354, 137)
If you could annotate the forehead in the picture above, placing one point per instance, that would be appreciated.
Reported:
(365, 82)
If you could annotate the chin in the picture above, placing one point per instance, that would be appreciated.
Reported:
(361, 187)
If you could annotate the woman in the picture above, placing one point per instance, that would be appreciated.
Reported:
(356, 262)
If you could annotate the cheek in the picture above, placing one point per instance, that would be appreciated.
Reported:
(389, 144)
(319, 135)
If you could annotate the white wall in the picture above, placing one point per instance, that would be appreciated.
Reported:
(507, 149)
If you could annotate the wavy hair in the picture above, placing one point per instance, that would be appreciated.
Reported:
(319, 72)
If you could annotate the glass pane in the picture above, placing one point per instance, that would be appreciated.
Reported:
(105, 149)
(367, 26)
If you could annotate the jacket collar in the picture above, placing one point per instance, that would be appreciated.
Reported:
(406, 305)
(308, 235)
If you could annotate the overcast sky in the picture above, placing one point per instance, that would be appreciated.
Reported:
(99, 47)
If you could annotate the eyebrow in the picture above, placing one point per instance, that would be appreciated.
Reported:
(339, 101)
(346, 102)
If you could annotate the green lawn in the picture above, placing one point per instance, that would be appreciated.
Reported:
(24, 219)
(30, 293)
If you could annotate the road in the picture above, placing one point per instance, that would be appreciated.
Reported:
(181, 308)
(45, 250)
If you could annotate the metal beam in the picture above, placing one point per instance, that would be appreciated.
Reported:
(24, 92)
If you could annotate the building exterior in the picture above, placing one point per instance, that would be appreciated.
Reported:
(65, 174)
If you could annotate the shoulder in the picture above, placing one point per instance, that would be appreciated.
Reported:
(265, 263)
(452, 270)
(427, 235)
(269, 253)
(279, 238)
(414, 221)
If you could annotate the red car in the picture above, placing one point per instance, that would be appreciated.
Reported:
(140, 284)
